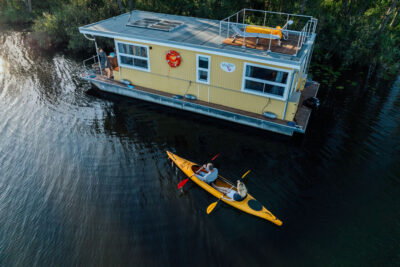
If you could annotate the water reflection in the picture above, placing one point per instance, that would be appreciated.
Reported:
(84, 178)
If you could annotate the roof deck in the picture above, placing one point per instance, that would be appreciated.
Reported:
(288, 47)
(297, 32)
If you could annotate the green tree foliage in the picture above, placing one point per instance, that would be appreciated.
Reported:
(15, 12)
(61, 25)
(362, 32)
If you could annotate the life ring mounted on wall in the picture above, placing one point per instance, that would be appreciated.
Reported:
(173, 58)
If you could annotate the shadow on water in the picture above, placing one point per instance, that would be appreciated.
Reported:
(84, 178)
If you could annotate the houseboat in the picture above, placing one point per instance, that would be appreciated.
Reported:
(250, 68)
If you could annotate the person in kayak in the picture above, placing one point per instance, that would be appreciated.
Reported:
(241, 191)
(208, 173)
(238, 195)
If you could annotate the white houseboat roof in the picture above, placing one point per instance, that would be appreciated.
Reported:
(204, 35)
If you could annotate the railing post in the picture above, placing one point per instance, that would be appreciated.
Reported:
(245, 27)
(270, 36)
(315, 24)
(227, 32)
(306, 28)
(244, 37)
(298, 43)
(265, 17)
(98, 58)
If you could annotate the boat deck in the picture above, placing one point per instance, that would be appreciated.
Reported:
(303, 113)
(301, 117)
(198, 33)
(288, 47)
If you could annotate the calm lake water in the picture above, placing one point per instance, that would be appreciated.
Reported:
(85, 181)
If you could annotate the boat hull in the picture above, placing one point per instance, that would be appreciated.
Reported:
(194, 107)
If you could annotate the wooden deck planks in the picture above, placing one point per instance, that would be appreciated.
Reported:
(303, 113)
(288, 47)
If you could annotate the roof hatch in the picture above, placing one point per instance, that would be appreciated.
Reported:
(155, 24)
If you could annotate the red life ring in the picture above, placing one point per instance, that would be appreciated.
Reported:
(173, 58)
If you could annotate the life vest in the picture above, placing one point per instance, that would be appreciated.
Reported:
(173, 58)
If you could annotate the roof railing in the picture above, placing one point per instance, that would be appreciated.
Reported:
(236, 26)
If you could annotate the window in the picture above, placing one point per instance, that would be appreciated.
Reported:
(265, 81)
(133, 56)
(203, 69)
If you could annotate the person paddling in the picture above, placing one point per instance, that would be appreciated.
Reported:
(241, 191)
(236, 195)
(208, 173)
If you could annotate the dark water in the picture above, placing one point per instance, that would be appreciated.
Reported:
(84, 179)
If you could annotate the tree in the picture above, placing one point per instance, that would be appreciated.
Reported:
(29, 5)
(121, 7)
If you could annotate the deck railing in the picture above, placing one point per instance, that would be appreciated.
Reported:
(92, 64)
(236, 25)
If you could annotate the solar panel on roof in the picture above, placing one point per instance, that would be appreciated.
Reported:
(143, 23)
(156, 24)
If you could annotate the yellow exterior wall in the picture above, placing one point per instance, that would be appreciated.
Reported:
(291, 110)
(224, 89)
(116, 75)
(301, 81)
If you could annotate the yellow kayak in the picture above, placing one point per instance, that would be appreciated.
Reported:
(265, 30)
(249, 204)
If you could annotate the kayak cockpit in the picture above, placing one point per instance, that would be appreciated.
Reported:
(221, 184)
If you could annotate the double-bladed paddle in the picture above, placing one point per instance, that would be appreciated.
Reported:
(212, 206)
(184, 181)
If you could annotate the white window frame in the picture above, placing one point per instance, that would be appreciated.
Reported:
(133, 56)
(203, 69)
(285, 92)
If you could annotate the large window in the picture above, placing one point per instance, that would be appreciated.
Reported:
(265, 81)
(203, 69)
(133, 56)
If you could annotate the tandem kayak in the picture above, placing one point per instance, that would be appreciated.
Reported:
(248, 204)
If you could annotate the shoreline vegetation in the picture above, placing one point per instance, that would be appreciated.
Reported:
(351, 34)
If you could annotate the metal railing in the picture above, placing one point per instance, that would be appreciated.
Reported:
(236, 25)
(92, 65)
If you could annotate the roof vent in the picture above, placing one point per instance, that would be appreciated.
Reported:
(156, 24)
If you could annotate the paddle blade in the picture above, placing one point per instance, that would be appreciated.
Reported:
(182, 183)
(211, 207)
(216, 156)
(244, 175)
